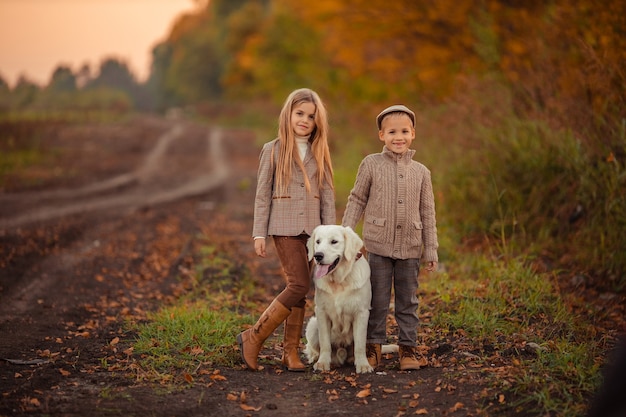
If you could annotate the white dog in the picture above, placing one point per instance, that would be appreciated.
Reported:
(343, 296)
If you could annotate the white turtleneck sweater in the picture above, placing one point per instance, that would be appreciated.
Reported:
(302, 142)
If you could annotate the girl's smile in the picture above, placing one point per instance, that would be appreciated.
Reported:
(303, 118)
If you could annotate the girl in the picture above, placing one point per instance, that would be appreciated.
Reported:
(294, 194)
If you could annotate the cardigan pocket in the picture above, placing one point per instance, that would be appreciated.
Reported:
(374, 229)
(415, 234)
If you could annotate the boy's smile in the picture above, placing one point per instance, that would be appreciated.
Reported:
(397, 132)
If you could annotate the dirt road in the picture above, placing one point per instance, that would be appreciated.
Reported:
(80, 252)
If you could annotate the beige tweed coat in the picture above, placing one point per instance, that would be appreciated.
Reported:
(394, 194)
(297, 211)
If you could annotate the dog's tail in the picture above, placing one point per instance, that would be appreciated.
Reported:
(389, 349)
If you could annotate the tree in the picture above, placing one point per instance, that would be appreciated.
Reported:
(25, 92)
(62, 80)
(114, 73)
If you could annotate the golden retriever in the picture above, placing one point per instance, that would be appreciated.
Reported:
(337, 333)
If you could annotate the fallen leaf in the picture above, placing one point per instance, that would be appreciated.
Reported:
(231, 397)
(610, 158)
(456, 407)
(115, 341)
(196, 351)
(188, 377)
(389, 390)
(364, 393)
(64, 372)
(247, 407)
(421, 411)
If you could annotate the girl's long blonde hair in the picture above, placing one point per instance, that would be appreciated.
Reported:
(287, 151)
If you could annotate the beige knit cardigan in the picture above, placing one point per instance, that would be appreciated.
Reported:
(394, 194)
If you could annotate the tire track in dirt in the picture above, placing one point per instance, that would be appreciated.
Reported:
(140, 188)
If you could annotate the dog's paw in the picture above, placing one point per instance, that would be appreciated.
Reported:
(322, 366)
(312, 358)
(363, 367)
(312, 355)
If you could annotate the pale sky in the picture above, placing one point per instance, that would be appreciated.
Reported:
(38, 35)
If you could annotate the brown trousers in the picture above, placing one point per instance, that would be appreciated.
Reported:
(293, 257)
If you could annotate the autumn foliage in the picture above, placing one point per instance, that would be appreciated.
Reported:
(563, 57)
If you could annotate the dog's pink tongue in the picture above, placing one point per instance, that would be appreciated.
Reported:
(321, 270)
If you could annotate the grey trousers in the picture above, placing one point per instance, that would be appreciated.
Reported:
(403, 273)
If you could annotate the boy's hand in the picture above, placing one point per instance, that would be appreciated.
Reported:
(432, 266)
(259, 247)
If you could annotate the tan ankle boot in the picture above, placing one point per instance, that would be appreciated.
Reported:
(251, 340)
(409, 359)
(293, 334)
(372, 351)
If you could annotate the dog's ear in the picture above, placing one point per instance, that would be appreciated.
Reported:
(353, 243)
(310, 245)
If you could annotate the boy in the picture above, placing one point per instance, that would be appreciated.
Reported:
(394, 194)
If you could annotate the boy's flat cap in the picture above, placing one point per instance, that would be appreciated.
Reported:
(392, 109)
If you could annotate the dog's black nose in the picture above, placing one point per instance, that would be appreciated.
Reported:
(318, 256)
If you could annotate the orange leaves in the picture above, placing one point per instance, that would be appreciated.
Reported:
(242, 399)
(366, 392)
(216, 376)
(457, 406)
(247, 407)
(333, 395)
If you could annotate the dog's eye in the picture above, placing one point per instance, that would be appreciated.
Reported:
(318, 241)
(334, 241)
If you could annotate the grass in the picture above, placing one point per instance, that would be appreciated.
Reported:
(187, 336)
(504, 304)
(24, 154)
(197, 333)
(497, 302)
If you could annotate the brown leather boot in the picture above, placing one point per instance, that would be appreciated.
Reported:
(291, 343)
(372, 351)
(409, 359)
(251, 340)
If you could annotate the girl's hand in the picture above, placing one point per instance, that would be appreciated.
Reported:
(259, 247)
(432, 266)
